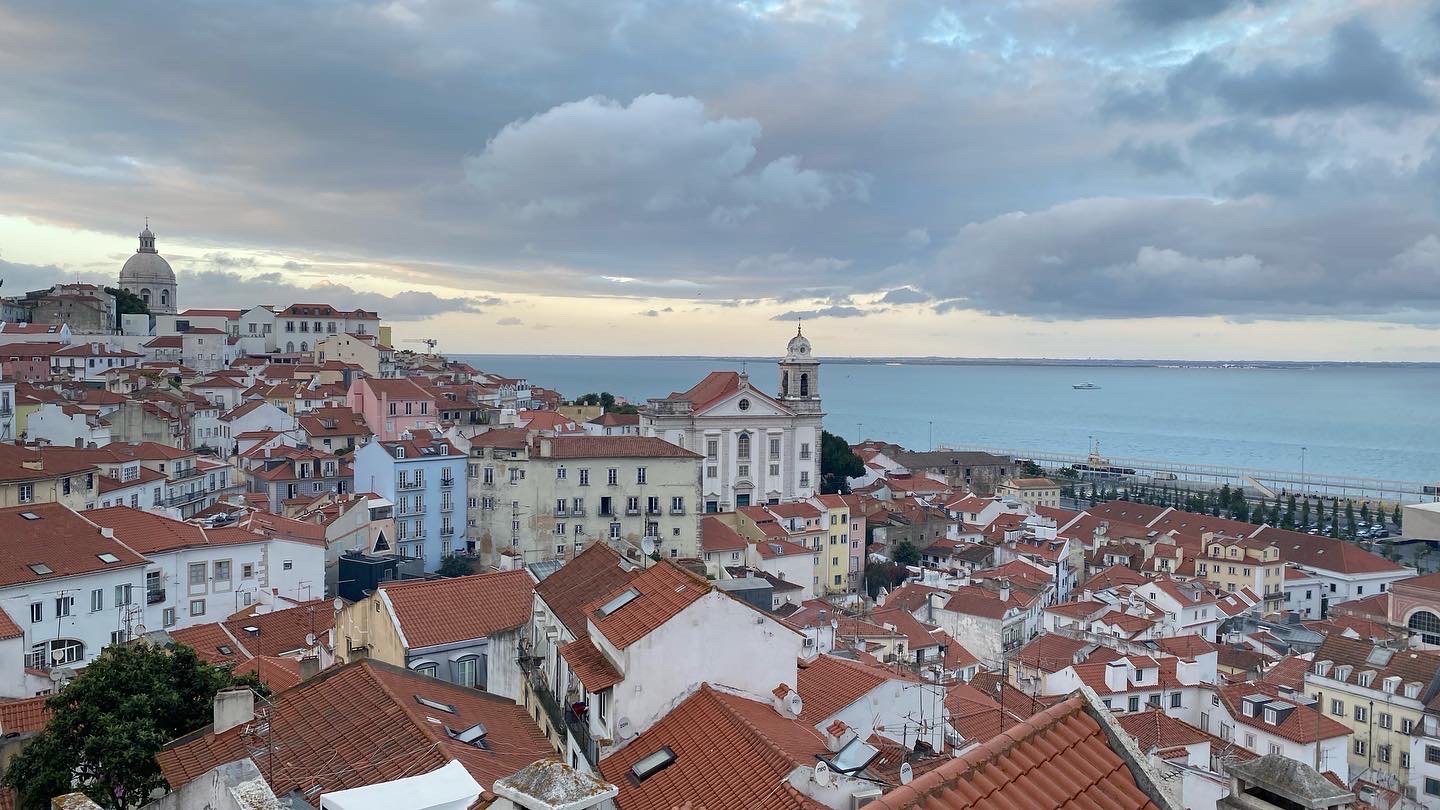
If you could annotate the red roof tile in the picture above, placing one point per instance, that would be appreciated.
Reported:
(60, 542)
(829, 684)
(1060, 758)
(277, 673)
(663, 591)
(1328, 553)
(283, 632)
(364, 723)
(715, 535)
(212, 642)
(1303, 724)
(21, 716)
(593, 573)
(590, 665)
(1153, 729)
(442, 611)
(1050, 652)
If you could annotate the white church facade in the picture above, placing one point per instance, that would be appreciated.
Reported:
(758, 447)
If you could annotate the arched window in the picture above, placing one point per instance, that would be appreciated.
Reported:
(1427, 624)
(58, 652)
(742, 445)
(304, 347)
(785, 384)
(145, 295)
(804, 385)
(290, 347)
(164, 298)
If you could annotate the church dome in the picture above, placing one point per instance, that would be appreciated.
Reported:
(799, 346)
(146, 266)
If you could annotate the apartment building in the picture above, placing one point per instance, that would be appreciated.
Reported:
(549, 497)
(393, 407)
(1236, 563)
(299, 327)
(31, 475)
(423, 474)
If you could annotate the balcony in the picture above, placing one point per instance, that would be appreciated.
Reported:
(185, 474)
(447, 531)
(155, 597)
(632, 512)
(677, 512)
(540, 688)
(579, 728)
(404, 485)
(447, 481)
(184, 498)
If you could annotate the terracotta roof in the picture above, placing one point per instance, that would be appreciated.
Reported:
(1303, 724)
(399, 388)
(442, 611)
(972, 600)
(1060, 758)
(277, 673)
(55, 543)
(1050, 652)
(715, 535)
(614, 447)
(150, 533)
(912, 596)
(663, 589)
(1187, 646)
(18, 463)
(974, 714)
(1328, 553)
(1015, 701)
(8, 628)
(22, 716)
(1078, 609)
(208, 640)
(282, 632)
(1111, 577)
(593, 573)
(1154, 729)
(365, 724)
(728, 749)
(1289, 671)
(1408, 665)
(590, 665)
(504, 439)
(1128, 511)
(829, 684)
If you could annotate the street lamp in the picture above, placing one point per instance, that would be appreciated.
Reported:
(1302, 469)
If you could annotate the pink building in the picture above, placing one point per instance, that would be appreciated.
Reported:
(392, 407)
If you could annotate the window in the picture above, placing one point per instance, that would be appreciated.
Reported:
(1383, 720)
(1175, 700)
(123, 595)
(1337, 707)
(612, 476)
(677, 504)
(429, 671)
(652, 505)
(804, 478)
(1362, 714)
(1382, 753)
(27, 493)
(167, 617)
(560, 473)
(64, 605)
(774, 447)
(712, 448)
(1406, 725)
(1404, 760)
(247, 571)
(119, 636)
(584, 478)
(1134, 703)
(805, 451)
(712, 471)
(288, 564)
(614, 531)
(58, 652)
(774, 470)
(1427, 624)
(489, 476)
(743, 471)
(1432, 787)
(1432, 755)
(1274, 748)
(37, 612)
(1360, 748)
(640, 475)
(97, 600)
(465, 671)
(222, 570)
(197, 575)
(742, 445)
(197, 607)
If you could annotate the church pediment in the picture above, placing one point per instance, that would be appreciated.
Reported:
(749, 403)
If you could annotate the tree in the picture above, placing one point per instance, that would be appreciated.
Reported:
(107, 725)
(1365, 512)
(1351, 529)
(882, 575)
(1335, 517)
(1240, 505)
(837, 463)
(1320, 513)
(127, 303)
(1395, 515)
(1032, 469)
(905, 553)
(1223, 501)
(455, 566)
(1304, 512)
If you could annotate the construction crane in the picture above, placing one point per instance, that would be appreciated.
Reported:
(430, 343)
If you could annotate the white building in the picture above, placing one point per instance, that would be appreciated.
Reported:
(7, 411)
(198, 575)
(757, 448)
(66, 425)
(1304, 592)
(68, 589)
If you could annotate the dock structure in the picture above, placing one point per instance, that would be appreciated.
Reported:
(1158, 471)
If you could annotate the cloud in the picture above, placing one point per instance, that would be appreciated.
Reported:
(1357, 72)
(223, 287)
(916, 238)
(827, 312)
(655, 313)
(1152, 157)
(904, 295)
(1165, 13)
(657, 154)
(509, 322)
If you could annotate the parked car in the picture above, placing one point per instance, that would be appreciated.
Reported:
(1379, 531)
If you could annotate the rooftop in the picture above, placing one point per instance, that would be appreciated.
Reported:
(46, 541)
(442, 611)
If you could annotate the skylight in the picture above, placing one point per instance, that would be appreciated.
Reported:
(854, 756)
(435, 704)
(647, 767)
(107, 557)
(474, 735)
(624, 598)
(41, 569)
(29, 516)
(225, 649)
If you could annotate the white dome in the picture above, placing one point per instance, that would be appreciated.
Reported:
(799, 346)
(146, 268)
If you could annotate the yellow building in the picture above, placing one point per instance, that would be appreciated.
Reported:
(31, 475)
(1236, 563)
(1032, 491)
(1378, 693)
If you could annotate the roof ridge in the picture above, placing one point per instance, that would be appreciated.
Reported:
(756, 731)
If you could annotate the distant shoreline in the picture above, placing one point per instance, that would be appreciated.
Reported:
(999, 361)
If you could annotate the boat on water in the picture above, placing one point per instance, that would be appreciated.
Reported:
(1086, 387)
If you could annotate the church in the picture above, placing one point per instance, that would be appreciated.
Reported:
(148, 275)
(758, 447)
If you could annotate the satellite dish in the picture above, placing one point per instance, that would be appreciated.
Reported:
(794, 703)
(339, 603)
(648, 546)
(822, 774)
(139, 629)
(624, 728)
(57, 655)
(834, 624)
(309, 639)
(906, 773)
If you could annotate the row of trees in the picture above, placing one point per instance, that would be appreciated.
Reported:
(606, 401)
(1287, 512)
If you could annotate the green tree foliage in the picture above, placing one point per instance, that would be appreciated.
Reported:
(455, 566)
(1320, 512)
(1365, 512)
(882, 575)
(1032, 469)
(1395, 516)
(837, 463)
(1350, 528)
(127, 303)
(1304, 512)
(1239, 505)
(107, 725)
(906, 553)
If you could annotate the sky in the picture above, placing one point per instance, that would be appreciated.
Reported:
(1188, 179)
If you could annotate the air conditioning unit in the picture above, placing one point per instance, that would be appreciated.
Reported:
(860, 798)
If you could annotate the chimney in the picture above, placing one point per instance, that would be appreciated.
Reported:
(786, 702)
(1116, 675)
(233, 707)
(309, 667)
(837, 734)
(107, 532)
(1004, 590)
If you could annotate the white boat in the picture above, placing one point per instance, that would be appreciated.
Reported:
(1086, 387)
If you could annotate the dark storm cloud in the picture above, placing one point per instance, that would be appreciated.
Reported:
(1165, 13)
(712, 151)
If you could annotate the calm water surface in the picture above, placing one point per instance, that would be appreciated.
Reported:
(1378, 422)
